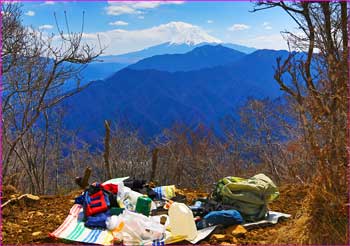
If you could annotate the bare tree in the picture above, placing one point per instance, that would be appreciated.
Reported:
(191, 158)
(36, 70)
(266, 128)
(319, 90)
(128, 154)
(319, 80)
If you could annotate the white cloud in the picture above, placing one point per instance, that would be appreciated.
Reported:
(141, 17)
(119, 41)
(144, 5)
(210, 21)
(238, 27)
(45, 27)
(130, 7)
(273, 41)
(118, 23)
(266, 25)
(49, 3)
(30, 13)
(119, 10)
(10, 2)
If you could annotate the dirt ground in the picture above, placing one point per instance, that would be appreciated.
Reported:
(30, 222)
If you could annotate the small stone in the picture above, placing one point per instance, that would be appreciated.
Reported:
(37, 233)
(32, 197)
(39, 213)
(233, 240)
(219, 237)
(14, 225)
(236, 230)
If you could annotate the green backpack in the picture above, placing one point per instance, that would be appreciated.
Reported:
(249, 196)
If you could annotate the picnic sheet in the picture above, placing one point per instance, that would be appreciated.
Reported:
(73, 229)
(273, 218)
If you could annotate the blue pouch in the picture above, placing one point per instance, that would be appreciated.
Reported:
(223, 217)
(79, 200)
(98, 220)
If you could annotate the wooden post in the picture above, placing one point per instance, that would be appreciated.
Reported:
(106, 152)
(85, 180)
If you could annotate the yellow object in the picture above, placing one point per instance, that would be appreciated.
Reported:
(170, 191)
(120, 203)
(119, 227)
(175, 239)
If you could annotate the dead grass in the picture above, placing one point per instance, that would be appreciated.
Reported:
(323, 219)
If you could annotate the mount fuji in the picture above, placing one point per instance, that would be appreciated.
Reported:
(179, 37)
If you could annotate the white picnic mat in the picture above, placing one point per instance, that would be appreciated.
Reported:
(273, 218)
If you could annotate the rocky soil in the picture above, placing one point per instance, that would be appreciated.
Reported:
(30, 221)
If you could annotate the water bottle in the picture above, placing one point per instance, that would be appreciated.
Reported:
(182, 221)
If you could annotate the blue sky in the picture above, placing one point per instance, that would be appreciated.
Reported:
(129, 26)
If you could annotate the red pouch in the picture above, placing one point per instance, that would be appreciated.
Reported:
(111, 187)
(97, 204)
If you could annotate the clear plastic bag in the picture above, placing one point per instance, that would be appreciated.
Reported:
(133, 227)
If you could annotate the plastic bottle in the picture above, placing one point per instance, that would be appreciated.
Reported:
(143, 205)
(182, 221)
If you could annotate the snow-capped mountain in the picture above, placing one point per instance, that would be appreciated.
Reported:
(121, 41)
(172, 47)
(178, 38)
(175, 37)
(184, 33)
(109, 65)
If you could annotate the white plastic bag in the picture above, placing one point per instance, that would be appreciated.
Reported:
(135, 228)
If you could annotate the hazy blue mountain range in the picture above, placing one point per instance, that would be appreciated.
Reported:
(101, 70)
(201, 57)
(167, 48)
(152, 100)
(106, 66)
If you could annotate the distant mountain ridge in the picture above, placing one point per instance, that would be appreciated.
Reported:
(152, 100)
(200, 57)
(167, 48)
(106, 66)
